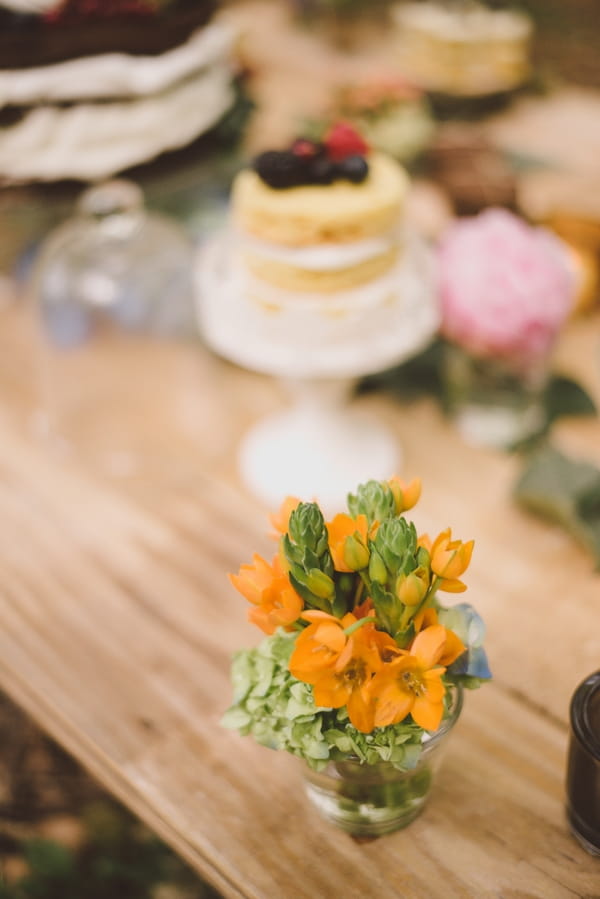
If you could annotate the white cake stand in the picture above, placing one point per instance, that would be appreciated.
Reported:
(322, 447)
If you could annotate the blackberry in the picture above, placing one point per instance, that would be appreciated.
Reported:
(322, 171)
(280, 168)
(354, 168)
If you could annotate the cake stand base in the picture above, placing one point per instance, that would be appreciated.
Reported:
(317, 451)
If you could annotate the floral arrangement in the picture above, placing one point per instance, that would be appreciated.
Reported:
(506, 288)
(361, 656)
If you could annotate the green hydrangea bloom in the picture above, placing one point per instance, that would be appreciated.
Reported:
(279, 712)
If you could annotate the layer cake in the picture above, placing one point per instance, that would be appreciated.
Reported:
(463, 49)
(89, 89)
(320, 237)
(317, 275)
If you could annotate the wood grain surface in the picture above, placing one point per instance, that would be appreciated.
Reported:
(117, 621)
(117, 625)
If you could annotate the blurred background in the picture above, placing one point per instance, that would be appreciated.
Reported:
(482, 114)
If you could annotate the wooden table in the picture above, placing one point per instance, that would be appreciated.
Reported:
(117, 621)
(117, 624)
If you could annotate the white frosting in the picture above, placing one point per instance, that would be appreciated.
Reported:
(288, 334)
(91, 141)
(30, 6)
(110, 75)
(321, 257)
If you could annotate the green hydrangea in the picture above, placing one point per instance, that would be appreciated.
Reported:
(279, 712)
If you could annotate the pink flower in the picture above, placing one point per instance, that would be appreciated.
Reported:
(506, 288)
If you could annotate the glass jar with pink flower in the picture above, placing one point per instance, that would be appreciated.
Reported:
(506, 291)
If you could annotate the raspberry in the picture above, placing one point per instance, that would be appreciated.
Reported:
(305, 148)
(343, 140)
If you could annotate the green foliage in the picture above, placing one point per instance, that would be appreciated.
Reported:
(279, 712)
(565, 491)
(559, 489)
(305, 547)
(423, 376)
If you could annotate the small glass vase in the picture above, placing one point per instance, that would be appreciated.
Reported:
(492, 402)
(372, 800)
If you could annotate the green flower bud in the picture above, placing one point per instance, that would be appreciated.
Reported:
(396, 543)
(423, 558)
(356, 554)
(319, 583)
(307, 528)
(375, 500)
(410, 589)
(378, 573)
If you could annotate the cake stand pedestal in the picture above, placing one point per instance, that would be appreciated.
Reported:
(322, 446)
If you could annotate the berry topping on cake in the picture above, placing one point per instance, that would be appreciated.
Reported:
(279, 168)
(343, 140)
(305, 148)
(355, 168)
(340, 156)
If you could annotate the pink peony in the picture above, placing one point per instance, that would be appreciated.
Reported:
(506, 288)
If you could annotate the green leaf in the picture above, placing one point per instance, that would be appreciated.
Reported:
(413, 379)
(564, 396)
(423, 375)
(565, 491)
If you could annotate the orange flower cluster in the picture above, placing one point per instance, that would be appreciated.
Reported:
(380, 672)
(351, 663)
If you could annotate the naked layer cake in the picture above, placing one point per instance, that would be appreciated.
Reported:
(463, 49)
(319, 217)
(318, 274)
(90, 88)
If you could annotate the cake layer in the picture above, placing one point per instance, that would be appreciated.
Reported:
(341, 212)
(95, 140)
(291, 334)
(323, 256)
(28, 40)
(290, 277)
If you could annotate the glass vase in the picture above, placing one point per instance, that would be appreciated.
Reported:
(372, 800)
(493, 402)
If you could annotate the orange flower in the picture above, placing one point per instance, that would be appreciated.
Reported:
(319, 645)
(276, 603)
(348, 542)
(254, 580)
(453, 647)
(347, 681)
(281, 519)
(366, 609)
(449, 559)
(405, 495)
(411, 683)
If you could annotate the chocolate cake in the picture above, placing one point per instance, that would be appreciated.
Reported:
(92, 88)
(69, 29)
